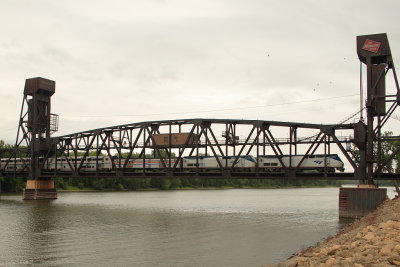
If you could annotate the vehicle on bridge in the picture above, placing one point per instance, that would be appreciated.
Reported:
(268, 163)
(317, 162)
(15, 164)
(147, 163)
(210, 162)
(88, 165)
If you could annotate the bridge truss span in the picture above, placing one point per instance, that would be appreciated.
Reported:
(160, 148)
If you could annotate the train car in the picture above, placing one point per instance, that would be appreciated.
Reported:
(311, 162)
(89, 164)
(12, 165)
(210, 162)
(148, 163)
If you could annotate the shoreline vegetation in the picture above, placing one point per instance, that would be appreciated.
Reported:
(150, 184)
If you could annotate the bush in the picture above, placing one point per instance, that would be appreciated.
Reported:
(166, 184)
(175, 183)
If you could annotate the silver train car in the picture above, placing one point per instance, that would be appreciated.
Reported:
(12, 165)
(311, 162)
(89, 164)
(210, 162)
(148, 163)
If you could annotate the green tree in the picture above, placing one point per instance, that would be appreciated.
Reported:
(386, 151)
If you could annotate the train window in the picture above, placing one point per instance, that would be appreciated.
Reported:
(274, 164)
(267, 164)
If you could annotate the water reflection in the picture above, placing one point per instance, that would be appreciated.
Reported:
(37, 224)
(173, 228)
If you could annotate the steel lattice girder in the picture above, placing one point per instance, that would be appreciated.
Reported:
(139, 137)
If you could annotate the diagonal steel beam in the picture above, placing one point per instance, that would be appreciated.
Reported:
(255, 140)
(132, 147)
(88, 146)
(185, 146)
(350, 160)
(243, 146)
(385, 118)
(155, 147)
(274, 141)
(216, 141)
(212, 148)
(278, 155)
(309, 149)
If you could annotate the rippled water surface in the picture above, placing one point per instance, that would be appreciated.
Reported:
(246, 227)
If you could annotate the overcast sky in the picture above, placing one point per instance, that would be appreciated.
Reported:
(127, 61)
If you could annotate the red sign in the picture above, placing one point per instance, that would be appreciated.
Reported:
(371, 46)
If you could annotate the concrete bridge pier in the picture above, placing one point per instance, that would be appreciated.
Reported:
(356, 202)
(40, 189)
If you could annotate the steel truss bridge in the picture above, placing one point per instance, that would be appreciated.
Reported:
(217, 138)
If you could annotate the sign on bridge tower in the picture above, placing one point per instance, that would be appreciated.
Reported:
(33, 138)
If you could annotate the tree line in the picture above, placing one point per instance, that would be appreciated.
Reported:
(16, 184)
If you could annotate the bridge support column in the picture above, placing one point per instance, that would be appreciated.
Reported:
(356, 202)
(40, 189)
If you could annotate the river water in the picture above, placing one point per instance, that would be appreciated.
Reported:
(237, 227)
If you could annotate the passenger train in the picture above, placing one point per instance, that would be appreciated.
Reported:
(269, 163)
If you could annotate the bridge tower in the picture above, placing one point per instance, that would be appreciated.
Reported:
(36, 124)
(373, 51)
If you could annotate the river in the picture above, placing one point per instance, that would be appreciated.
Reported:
(236, 227)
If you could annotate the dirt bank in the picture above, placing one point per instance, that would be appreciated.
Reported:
(371, 241)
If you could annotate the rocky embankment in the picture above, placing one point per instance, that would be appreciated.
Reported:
(373, 240)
